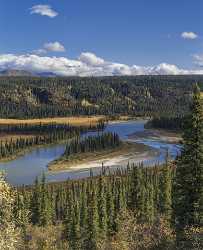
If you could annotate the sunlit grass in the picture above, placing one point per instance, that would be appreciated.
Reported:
(76, 121)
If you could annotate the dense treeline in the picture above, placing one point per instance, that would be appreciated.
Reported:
(188, 182)
(171, 123)
(43, 128)
(92, 144)
(133, 208)
(89, 208)
(29, 97)
(40, 134)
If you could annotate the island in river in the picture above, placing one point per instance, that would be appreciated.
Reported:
(150, 151)
(126, 150)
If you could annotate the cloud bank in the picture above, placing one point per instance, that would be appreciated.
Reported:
(43, 10)
(87, 64)
(189, 35)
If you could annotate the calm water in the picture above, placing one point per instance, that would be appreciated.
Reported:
(25, 169)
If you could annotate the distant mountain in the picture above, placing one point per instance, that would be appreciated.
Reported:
(15, 72)
(46, 74)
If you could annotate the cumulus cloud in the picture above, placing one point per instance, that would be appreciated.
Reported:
(43, 10)
(189, 35)
(87, 64)
(55, 47)
(90, 59)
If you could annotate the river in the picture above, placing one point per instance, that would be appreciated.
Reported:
(24, 169)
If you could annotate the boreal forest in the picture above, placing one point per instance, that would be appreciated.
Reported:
(35, 97)
(152, 203)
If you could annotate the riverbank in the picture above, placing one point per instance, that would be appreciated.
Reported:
(123, 119)
(72, 120)
(126, 152)
(23, 170)
(157, 135)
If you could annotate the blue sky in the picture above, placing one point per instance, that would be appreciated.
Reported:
(130, 32)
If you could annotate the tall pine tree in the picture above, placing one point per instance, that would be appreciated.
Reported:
(188, 184)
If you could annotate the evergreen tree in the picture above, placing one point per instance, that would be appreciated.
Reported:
(188, 185)
(102, 207)
(75, 237)
(35, 203)
(165, 191)
(45, 204)
(137, 191)
(92, 232)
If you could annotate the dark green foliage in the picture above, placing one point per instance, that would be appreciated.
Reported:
(188, 185)
(41, 134)
(29, 97)
(92, 226)
(165, 192)
(102, 207)
(35, 203)
(164, 122)
(89, 208)
(92, 143)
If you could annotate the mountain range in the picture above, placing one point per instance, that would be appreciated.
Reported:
(16, 72)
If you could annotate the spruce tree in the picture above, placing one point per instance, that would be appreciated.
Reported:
(75, 237)
(188, 185)
(102, 207)
(137, 191)
(165, 191)
(92, 233)
(110, 209)
(45, 204)
(35, 203)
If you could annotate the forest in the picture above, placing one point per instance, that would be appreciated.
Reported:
(132, 208)
(175, 123)
(24, 136)
(146, 96)
(92, 144)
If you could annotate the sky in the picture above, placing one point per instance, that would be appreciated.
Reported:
(108, 37)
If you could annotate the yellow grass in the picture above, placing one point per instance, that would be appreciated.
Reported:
(76, 121)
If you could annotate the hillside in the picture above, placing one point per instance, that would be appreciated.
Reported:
(35, 97)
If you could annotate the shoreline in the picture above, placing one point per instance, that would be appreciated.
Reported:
(157, 135)
(23, 152)
(28, 150)
(130, 151)
(123, 119)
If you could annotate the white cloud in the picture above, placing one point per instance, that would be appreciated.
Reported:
(91, 59)
(39, 51)
(87, 64)
(189, 35)
(43, 10)
(55, 47)
(198, 60)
